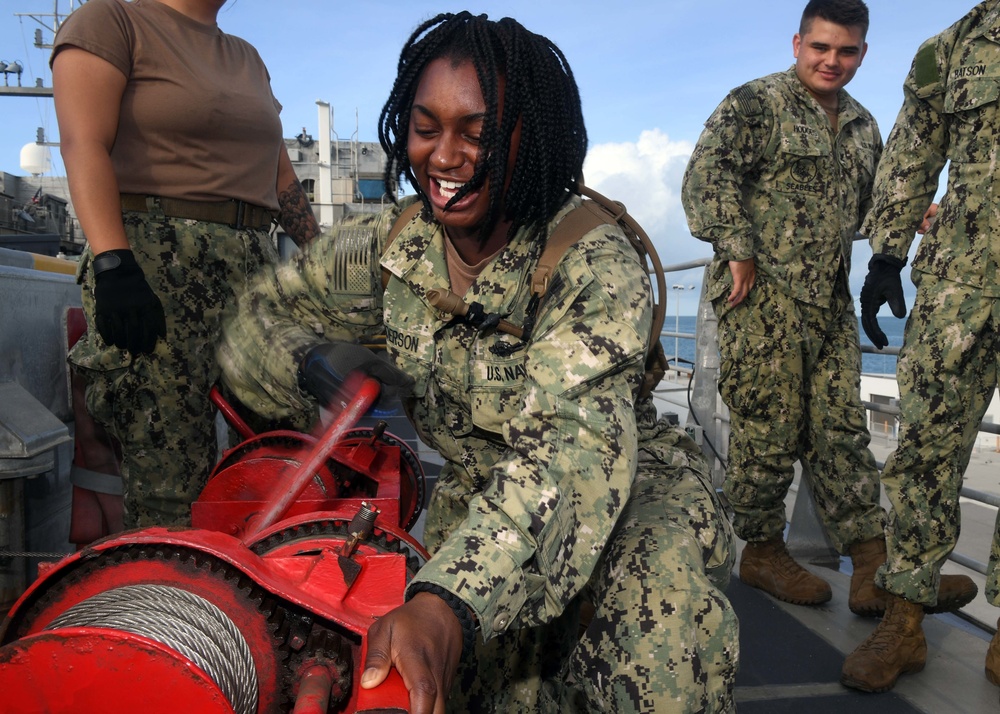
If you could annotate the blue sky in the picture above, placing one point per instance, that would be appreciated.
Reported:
(650, 73)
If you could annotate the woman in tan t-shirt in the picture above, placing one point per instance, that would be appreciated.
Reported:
(176, 167)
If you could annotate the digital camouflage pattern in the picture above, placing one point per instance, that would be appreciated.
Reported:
(770, 180)
(953, 329)
(993, 571)
(539, 439)
(157, 405)
(950, 112)
(663, 636)
(948, 362)
(658, 591)
(790, 373)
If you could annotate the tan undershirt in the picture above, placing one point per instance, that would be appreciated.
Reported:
(461, 274)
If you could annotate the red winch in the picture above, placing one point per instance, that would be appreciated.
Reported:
(298, 544)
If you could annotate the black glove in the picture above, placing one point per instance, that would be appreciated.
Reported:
(128, 314)
(330, 371)
(882, 285)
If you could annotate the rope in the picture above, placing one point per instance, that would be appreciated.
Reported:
(183, 621)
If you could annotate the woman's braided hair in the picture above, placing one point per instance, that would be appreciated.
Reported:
(539, 90)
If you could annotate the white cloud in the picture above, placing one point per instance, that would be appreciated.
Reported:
(646, 176)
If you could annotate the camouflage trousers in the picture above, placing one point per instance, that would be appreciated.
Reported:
(947, 373)
(157, 405)
(663, 636)
(791, 377)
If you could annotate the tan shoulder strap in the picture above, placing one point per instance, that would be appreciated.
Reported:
(601, 210)
(406, 216)
(577, 223)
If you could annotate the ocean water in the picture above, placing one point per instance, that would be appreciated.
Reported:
(870, 363)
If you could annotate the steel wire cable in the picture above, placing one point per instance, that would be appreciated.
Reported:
(183, 621)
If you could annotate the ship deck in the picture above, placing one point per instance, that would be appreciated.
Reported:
(791, 658)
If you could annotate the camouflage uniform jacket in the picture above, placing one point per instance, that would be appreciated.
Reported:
(769, 179)
(951, 112)
(539, 437)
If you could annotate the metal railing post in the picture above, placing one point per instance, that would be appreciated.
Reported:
(705, 401)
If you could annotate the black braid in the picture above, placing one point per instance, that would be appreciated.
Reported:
(540, 91)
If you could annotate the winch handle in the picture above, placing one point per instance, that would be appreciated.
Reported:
(352, 413)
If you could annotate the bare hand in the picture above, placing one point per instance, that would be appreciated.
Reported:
(422, 639)
(744, 275)
(929, 216)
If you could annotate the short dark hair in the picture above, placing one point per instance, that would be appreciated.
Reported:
(849, 13)
(540, 90)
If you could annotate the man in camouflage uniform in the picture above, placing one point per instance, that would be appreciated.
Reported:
(559, 485)
(947, 369)
(778, 183)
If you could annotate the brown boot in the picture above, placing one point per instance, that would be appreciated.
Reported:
(897, 646)
(954, 592)
(768, 566)
(993, 658)
(867, 599)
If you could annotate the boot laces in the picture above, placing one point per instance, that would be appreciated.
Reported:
(886, 637)
(785, 563)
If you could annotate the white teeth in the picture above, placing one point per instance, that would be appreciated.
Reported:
(449, 188)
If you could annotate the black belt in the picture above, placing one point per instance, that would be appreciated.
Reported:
(233, 213)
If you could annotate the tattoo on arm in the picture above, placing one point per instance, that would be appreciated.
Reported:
(295, 214)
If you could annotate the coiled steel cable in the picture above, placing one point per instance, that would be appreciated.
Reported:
(183, 621)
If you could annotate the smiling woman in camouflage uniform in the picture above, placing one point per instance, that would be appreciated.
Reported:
(558, 485)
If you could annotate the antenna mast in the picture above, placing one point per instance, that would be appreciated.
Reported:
(50, 22)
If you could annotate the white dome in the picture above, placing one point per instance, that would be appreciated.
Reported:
(36, 159)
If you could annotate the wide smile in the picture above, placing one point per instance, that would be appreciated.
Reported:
(443, 190)
(448, 189)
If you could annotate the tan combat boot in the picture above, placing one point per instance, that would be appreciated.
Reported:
(954, 592)
(897, 646)
(768, 566)
(993, 658)
(867, 599)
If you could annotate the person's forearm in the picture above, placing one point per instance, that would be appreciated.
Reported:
(907, 177)
(96, 199)
(712, 194)
(87, 91)
(295, 214)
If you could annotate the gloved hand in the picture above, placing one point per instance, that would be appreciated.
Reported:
(128, 314)
(882, 284)
(330, 371)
